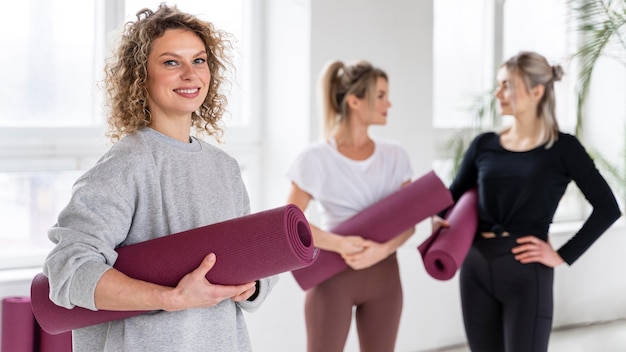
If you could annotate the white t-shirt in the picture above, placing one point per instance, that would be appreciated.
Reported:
(341, 186)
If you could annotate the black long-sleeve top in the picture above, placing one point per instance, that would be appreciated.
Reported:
(519, 191)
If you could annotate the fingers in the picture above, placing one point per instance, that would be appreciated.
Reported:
(351, 245)
(207, 264)
(372, 253)
(245, 294)
(525, 243)
(535, 250)
(222, 290)
(438, 222)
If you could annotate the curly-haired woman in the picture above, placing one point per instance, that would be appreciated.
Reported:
(157, 179)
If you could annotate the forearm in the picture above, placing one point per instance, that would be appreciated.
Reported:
(324, 240)
(116, 291)
(393, 244)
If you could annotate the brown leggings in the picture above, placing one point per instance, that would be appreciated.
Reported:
(377, 294)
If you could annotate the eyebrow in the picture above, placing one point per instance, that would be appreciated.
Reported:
(199, 53)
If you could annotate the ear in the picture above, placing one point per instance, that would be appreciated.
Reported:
(353, 101)
(537, 91)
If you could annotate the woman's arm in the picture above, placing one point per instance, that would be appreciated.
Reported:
(375, 252)
(116, 291)
(325, 240)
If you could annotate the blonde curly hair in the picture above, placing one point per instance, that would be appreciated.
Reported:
(126, 72)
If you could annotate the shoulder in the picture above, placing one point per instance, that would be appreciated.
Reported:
(390, 148)
(388, 144)
(217, 154)
(485, 139)
(568, 143)
(568, 139)
(130, 151)
(316, 150)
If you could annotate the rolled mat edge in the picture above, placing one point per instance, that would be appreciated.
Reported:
(443, 252)
(271, 242)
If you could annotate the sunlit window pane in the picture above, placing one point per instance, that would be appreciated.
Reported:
(29, 204)
(542, 26)
(462, 59)
(50, 63)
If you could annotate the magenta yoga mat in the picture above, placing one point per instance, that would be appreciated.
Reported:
(444, 251)
(55, 343)
(248, 248)
(18, 325)
(380, 222)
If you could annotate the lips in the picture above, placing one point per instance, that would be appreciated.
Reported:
(187, 90)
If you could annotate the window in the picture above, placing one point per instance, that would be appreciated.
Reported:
(49, 79)
(542, 26)
(463, 58)
(471, 40)
(51, 114)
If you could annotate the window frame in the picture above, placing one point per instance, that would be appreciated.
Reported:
(52, 149)
(577, 209)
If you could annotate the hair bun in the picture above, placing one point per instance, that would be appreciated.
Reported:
(557, 72)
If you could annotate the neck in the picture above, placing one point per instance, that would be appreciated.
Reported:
(355, 137)
(522, 136)
(175, 128)
(354, 143)
(526, 128)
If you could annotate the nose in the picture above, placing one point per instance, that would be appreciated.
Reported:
(498, 93)
(187, 72)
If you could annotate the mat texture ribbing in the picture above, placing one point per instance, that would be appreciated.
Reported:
(248, 248)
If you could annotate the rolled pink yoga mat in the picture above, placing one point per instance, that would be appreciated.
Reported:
(247, 249)
(18, 325)
(55, 343)
(381, 222)
(444, 251)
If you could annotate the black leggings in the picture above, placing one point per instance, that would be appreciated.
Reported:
(507, 306)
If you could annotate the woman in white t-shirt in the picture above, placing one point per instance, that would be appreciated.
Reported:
(345, 173)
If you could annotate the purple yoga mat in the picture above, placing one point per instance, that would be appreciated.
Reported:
(444, 251)
(380, 222)
(18, 325)
(247, 249)
(55, 343)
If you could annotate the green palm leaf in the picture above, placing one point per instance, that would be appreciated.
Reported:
(601, 25)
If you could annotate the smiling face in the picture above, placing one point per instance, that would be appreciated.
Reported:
(178, 75)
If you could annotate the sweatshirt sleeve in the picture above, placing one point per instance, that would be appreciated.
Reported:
(597, 192)
(265, 286)
(87, 232)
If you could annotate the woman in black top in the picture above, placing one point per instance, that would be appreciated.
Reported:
(521, 174)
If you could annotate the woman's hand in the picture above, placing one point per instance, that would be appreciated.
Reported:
(195, 291)
(534, 250)
(437, 223)
(372, 253)
(347, 245)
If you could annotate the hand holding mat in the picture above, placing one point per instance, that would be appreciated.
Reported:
(247, 249)
(381, 222)
(444, 251)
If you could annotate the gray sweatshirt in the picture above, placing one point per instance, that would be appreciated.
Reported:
(147, 186)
